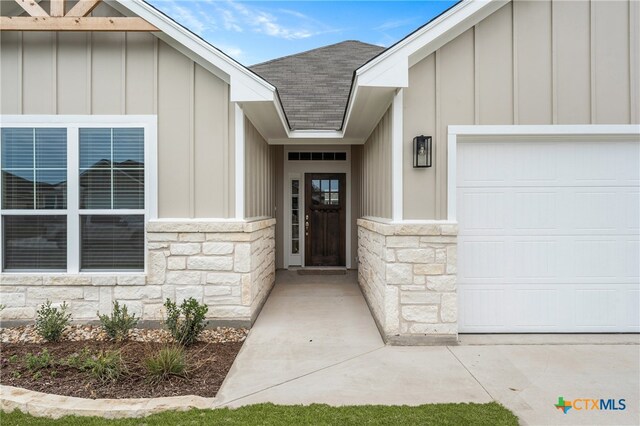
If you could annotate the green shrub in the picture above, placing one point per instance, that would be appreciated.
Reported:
(78, 360)
(168, 361)
(38, 361)
(185, 323)
(117, 325)
(50, 321)
(105, 365)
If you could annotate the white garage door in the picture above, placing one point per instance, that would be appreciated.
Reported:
(549, 235)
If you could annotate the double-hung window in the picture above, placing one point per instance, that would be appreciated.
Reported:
(75, 195)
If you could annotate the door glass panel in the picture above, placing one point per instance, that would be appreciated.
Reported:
(325, 185)
(316, 185)
(334, 185)
(295, 211)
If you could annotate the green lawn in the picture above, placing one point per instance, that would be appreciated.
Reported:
(492, 414)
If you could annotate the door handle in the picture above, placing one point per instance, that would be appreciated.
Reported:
(306, 225)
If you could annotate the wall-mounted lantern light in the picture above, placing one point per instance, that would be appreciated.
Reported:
(422, 151)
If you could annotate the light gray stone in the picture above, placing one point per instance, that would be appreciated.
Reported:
(399, 273)
(423, 314)
(157, 265)
(191, 236)
(26, 312)
(185, 249)
(395, 241)
(217, 290)
(183, 293)
(176, 263)
(13, 300)
(183, 277)
(210, 263)
(449, 308)
(242, 258)
(103, 280)
(416, 255)
(83, 310)
(230, 279)
(138, 292)
(452, 259)
(92, 293)
(441, 282)
(54, 294)
(162, 236)
(131, 280)
(217, 248)
(419, 298)
(429, 269)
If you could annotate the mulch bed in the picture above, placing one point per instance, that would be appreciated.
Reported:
(207, 364)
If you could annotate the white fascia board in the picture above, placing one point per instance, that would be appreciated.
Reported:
(245, 85)
(391, 68)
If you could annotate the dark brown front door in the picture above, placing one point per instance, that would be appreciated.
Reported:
(325, 201)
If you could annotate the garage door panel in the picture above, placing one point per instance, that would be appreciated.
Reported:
(548, 211)
(548, 308)
(549, 236)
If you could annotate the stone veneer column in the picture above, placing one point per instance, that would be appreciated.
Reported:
(230, 266)
(407, 273)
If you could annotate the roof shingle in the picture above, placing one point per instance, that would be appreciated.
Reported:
(314, 85)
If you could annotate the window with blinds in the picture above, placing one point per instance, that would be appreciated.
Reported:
(98, 220)
(34, 191)
(111, 178)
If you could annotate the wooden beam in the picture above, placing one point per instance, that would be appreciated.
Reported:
(88, 23)
(32, 8)
(83, 8)
(57, 8)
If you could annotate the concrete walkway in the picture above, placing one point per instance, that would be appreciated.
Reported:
(315, 342)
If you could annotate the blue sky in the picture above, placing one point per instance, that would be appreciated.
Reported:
(256, 31)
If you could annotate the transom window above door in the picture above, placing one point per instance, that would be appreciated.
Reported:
(73, 197)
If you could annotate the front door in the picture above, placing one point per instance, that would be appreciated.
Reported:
(325, 212)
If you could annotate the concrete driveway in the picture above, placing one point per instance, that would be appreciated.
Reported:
(315, 342)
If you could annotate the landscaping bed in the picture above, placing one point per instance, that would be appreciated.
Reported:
(66, 367)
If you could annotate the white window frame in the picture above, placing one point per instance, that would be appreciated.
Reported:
(73, 123)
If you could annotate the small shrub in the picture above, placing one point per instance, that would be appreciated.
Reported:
(167, 362)
(78, 360)
(13, 358)
(185, 323)
(38, 361)
(117, 325)
(37, 375)
(50, 321)
(105, 365)
(16, 374)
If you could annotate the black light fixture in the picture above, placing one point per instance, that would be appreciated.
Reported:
(422, 151)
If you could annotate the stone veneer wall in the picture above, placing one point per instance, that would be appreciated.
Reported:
(407, 273)
(230, 266)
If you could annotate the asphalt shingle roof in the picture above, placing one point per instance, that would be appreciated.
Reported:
(314, 85)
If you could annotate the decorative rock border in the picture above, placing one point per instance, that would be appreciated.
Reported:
(55, 406)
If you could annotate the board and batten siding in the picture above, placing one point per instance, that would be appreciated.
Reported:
(134, 73)
(374, 171)
(530, 62)
(260, 174)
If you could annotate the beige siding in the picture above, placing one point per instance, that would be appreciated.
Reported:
(375, 171)
(532, 62)
(135, 73)
(260, 174)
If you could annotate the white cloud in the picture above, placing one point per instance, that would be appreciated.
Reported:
(390, 25)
